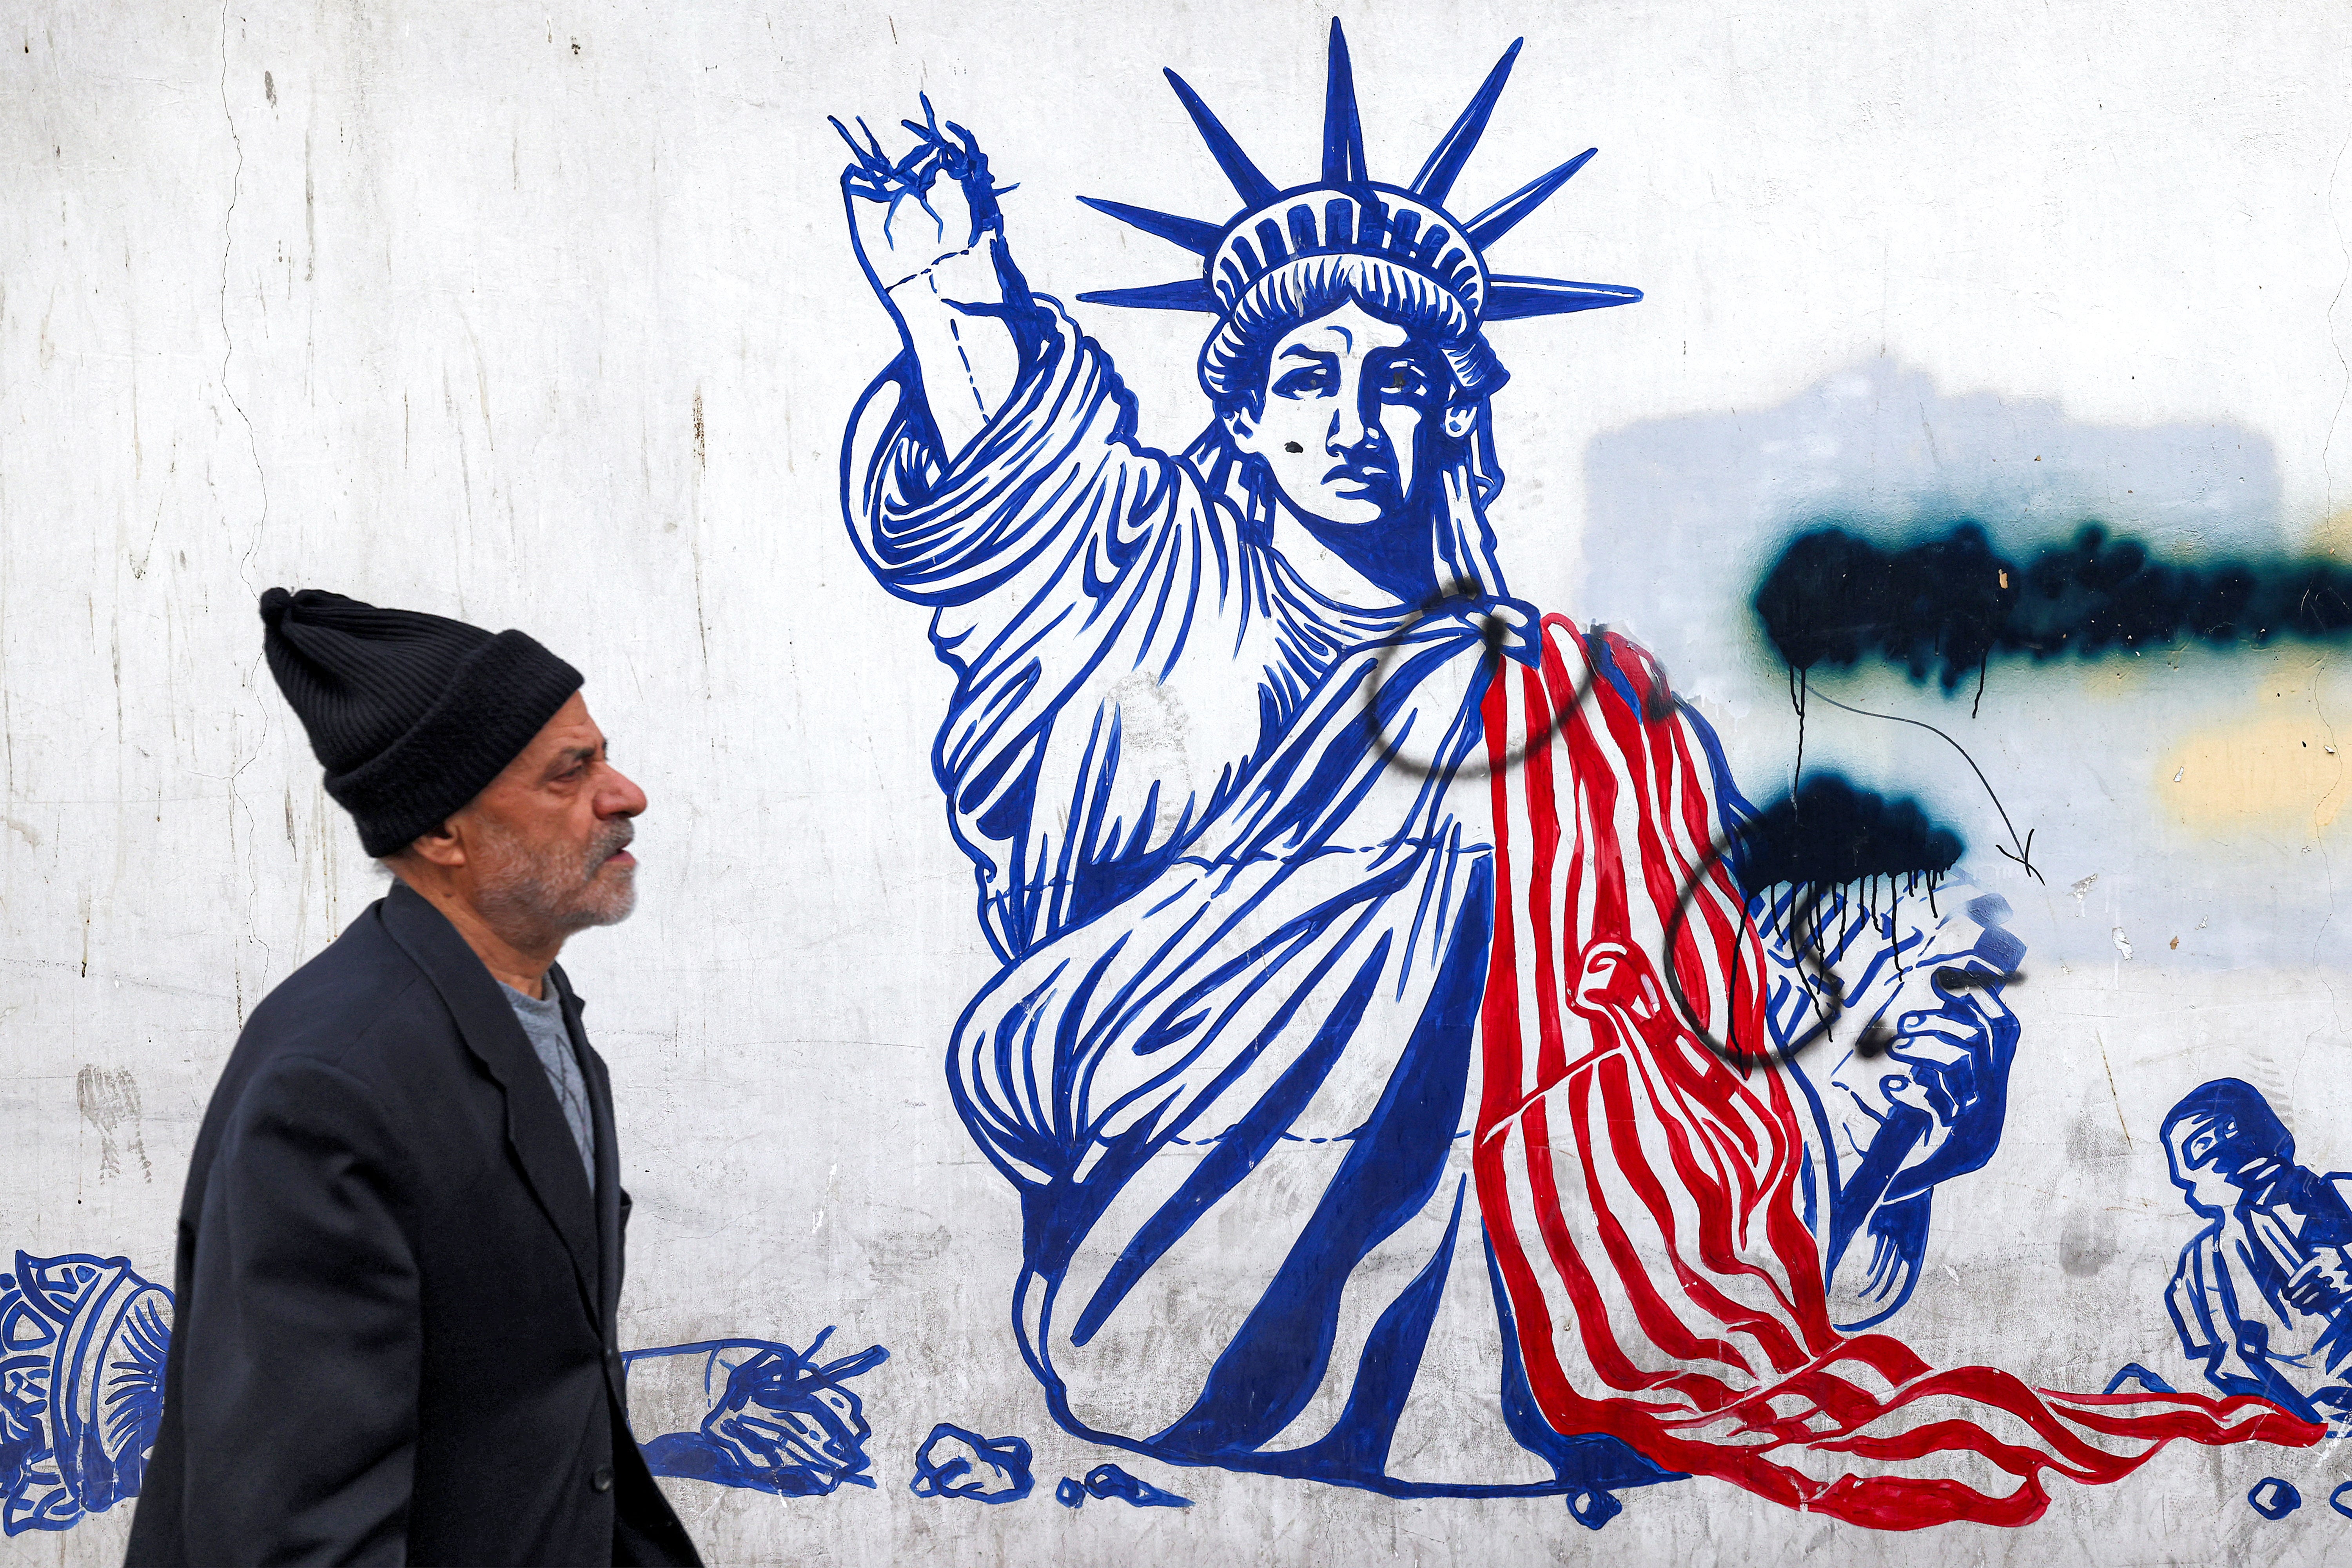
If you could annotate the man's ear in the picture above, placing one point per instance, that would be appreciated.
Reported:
(1461, 418)
(437, 846)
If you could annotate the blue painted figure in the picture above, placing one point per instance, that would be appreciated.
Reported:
(2262, 1295)
(777, 1419)
(82, 1340)
(953, 1462)
(1236, 739)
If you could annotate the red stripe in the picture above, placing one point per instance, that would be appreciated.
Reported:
(1658, 1319)
(1543, 823)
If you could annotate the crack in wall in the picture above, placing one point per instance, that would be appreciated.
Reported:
(228, 340)
(240, 761)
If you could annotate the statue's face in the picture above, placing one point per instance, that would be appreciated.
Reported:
(1351, 404)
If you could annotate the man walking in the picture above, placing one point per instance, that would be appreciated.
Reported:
(400, 1247)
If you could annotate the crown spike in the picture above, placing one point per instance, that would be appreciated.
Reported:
(1435, 181)
(1499, 220)
(1516, 298)
(1254, 189)
(1343, 127)
(1194, 236)
(1184, 294)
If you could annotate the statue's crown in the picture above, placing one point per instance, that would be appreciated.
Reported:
(1347, 213)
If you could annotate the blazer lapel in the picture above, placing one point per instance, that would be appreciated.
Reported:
(608, 1151)
(535, 1126)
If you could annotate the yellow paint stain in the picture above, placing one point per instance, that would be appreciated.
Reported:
(2273, 771)
(2333, 536)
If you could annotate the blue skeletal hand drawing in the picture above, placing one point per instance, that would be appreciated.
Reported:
(82, 1340)
(2262, 1295)
(953, 1462)
(779, 1420)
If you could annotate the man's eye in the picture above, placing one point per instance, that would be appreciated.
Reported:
(1404, 380)
(1303, 383)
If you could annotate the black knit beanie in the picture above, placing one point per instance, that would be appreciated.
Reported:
(412, 715)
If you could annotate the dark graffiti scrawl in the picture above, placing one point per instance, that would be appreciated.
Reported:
(1947, 604)
(780, 1420)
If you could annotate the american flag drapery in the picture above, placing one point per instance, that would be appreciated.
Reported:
(1638, 1179)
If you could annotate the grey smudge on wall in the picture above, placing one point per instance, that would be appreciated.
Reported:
(110, 1102)
(2089, 1242)
(1152, 720)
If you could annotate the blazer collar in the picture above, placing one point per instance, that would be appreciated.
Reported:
(536, 1129)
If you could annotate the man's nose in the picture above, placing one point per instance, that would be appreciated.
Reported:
(619, 795)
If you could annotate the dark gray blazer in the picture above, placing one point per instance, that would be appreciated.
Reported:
(394, 1336)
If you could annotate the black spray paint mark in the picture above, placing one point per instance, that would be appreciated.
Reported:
(1829, 835)
(1949, 604)
(1830, 832)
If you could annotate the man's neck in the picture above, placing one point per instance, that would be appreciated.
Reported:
(522, 964)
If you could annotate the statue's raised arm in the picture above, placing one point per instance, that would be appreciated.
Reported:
(930, 237)
(990, 471)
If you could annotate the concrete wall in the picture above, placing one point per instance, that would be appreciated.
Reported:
(545, 317)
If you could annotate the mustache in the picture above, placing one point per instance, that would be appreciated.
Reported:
(609, 843)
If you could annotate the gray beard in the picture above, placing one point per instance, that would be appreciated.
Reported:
(554, 888)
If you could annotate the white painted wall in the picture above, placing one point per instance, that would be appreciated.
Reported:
(545, 318)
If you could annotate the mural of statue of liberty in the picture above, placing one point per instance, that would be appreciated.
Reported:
(1386, 1056)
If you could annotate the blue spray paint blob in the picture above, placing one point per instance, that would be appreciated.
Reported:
(2274, 1498)
(1108, 1481)
(953, 1462)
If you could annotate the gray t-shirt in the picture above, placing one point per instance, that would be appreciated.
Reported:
(542, 1021)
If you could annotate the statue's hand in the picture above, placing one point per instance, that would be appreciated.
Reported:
(1952, 1062)
(937, 201)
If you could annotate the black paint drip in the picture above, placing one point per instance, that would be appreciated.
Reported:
(1831, 833)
